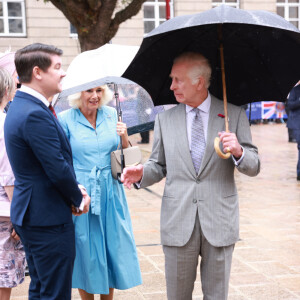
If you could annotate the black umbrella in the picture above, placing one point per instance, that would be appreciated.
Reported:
(261, 55)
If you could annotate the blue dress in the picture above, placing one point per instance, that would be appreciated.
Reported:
(106, 255)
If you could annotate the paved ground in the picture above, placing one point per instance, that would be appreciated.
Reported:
(266, 264)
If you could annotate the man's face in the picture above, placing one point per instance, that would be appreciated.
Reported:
(184, 91)
(51, 79)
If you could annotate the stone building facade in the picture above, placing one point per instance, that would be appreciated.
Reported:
(27, 21)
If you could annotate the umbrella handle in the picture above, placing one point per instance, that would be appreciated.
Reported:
(219, 151)
(217, 139)
(119, 113)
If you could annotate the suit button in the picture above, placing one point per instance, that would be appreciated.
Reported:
(194, 201)
(198, 181)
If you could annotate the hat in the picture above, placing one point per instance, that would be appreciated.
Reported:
(7, 61)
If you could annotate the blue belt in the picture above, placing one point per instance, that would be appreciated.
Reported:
(95, 180)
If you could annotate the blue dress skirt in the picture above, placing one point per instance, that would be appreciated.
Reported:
(106, 255)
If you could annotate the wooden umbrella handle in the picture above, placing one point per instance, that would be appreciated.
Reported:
(217, 139)
(219, 151)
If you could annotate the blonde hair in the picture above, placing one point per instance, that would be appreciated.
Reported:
(75, 99)
(7, 84)
(200, 66)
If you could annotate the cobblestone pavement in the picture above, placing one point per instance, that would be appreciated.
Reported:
(266, 261)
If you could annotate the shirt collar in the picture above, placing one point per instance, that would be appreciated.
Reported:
(204, 106)
(34, 93)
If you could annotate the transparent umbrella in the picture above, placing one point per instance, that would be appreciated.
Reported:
(105, 65)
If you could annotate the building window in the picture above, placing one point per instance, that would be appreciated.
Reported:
(12, 18)
(290, 10)
(155, 13)
(233, 3)
(73, 31)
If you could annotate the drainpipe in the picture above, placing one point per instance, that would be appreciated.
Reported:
(168, 11)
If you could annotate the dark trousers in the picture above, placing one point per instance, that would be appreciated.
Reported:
(50, 254)
(145, 136)
(290, 134)
(296, 133)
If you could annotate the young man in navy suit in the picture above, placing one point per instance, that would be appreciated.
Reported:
(46, 190)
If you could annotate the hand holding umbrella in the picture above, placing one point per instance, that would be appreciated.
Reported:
(230, 144)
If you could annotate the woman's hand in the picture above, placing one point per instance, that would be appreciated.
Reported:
(121, 129)
(122, 132)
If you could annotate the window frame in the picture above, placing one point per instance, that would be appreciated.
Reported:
(72, 34)
(6, 19)
(286, 5)
(157, 4)
(235, 4)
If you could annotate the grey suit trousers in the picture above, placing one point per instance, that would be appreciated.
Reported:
(181, 268)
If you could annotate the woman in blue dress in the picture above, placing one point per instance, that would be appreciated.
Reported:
(106, 256)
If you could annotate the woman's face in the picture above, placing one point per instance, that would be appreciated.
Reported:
(90, 99)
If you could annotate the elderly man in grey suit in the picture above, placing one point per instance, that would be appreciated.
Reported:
(200, 209)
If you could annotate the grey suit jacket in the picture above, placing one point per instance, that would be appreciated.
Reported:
(213, 191)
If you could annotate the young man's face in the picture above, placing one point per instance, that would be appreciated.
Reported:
(51, 79)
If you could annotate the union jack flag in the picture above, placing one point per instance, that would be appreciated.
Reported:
(272, 110)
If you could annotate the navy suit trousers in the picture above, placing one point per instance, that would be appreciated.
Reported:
(296, 133)
(50, 254)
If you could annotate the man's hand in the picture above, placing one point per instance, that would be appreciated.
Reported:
(132, 175)
(15, 236)
(75, 211)
(231, 144)
(87, 200)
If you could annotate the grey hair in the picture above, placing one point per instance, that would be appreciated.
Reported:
(200, 66)
(7, 83)
(75, 99)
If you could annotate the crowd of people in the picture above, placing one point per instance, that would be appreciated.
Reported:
(62, 209)
(61, 167)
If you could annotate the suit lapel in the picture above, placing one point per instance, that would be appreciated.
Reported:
(21, 95)
(215, 124)
(58, 126)
(183, 143)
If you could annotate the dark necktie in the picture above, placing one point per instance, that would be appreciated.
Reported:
(53, 111)
(197, 140)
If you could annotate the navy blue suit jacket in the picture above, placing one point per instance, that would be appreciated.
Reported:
(293, 105)
(41, 159)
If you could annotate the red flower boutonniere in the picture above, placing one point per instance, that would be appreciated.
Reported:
(221, 116)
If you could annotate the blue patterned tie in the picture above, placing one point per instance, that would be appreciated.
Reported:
(197, 140)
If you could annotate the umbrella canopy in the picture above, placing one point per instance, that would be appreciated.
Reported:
(97, 67)
(261, 54)
(105, 65)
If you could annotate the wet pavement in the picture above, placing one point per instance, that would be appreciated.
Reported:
(266, 261)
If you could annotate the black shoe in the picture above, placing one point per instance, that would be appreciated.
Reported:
(291, 140)
(143, 142)
(298, 178)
